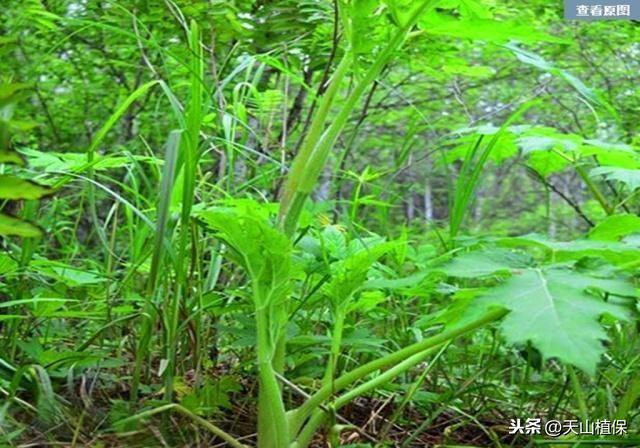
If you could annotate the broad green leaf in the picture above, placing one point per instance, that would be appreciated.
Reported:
(12, 187)
(367, 301)
(363, 243)
(613, 251)
(461, 311)
(485, 262)
(611, 154)
(598, 147)
(542, 144)
(629, 177)
(546, 163)
(614, 227)
(556, 311)
(615, 158)
(546, 139)
(10, 226)
(539, 145)
(333, 242)
(473, 8)
(504, 148)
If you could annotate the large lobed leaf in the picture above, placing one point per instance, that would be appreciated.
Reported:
(489, 30)
(555, 310)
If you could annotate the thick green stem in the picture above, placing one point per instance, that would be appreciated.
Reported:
(280, 352)
(304, 439)
(272, 420)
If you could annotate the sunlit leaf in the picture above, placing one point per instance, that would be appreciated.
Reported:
(613, 251)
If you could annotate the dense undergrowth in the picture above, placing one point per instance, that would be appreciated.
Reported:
(315, 223)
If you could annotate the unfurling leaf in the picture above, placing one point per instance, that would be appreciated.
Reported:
(350, 274)
(257, 246)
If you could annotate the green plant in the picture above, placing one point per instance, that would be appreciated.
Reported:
(12, 187)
